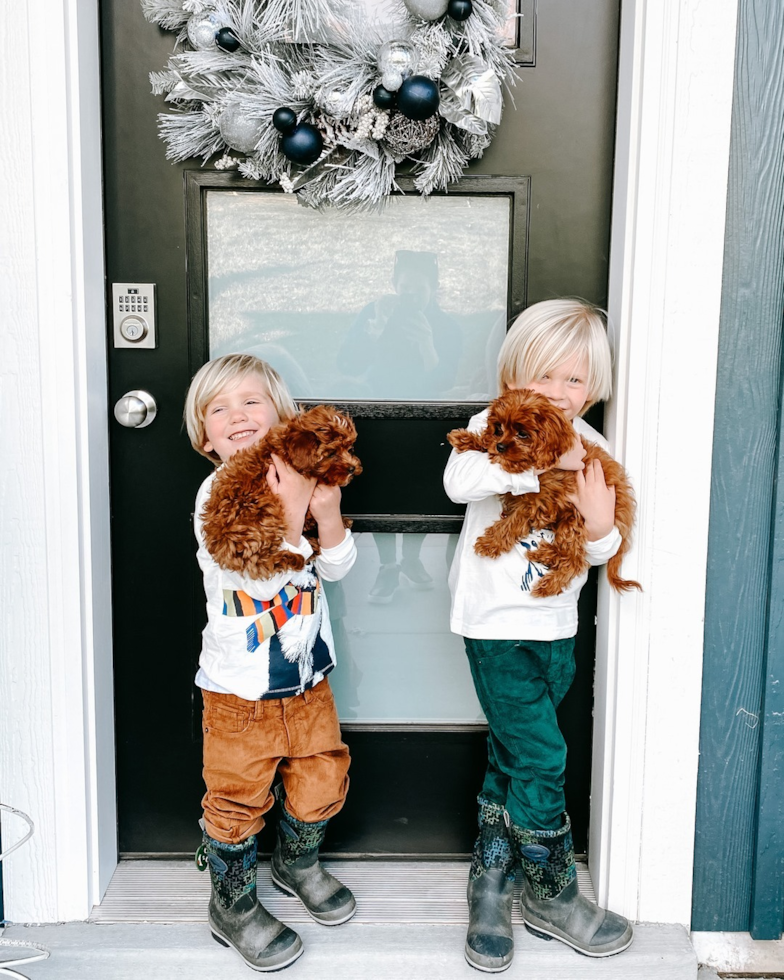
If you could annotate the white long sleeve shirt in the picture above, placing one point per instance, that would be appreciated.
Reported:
(491, 597)
(267, 638)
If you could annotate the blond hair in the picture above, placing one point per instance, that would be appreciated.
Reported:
(214, 376)
(551, 332)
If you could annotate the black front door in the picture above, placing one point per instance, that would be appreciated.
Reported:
(240, 266)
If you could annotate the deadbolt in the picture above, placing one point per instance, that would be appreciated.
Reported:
(135, 409)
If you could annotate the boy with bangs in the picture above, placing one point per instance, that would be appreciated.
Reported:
(264, 713)
(520, 649)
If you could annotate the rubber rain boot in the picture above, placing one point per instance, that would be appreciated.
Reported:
(236, 917)
(489, 943)
(552, 905)
(296, 869)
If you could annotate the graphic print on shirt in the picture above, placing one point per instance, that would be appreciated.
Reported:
(534, 569)
(291, 621)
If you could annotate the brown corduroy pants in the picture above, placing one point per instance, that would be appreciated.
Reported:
(247, 742)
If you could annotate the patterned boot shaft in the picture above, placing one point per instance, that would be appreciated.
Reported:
(493, 848)
(298, 838)
(232, 869)
(547, 857)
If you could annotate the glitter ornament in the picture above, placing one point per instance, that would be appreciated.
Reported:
(397, 58)
(202, 29)
(418, 97)
(227, 39)
(392, 80)
(427, 9)
(239, 130)
(404, 136)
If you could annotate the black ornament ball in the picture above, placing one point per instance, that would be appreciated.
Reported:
(383, 98)
(460, 9)
(417, 97)
(284, 119)
(227, 39)
(303, 144)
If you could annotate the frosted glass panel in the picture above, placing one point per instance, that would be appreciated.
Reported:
(397, 659)
(409, 304)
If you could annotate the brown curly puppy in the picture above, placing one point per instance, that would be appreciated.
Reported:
(525, 432)
(244, 520)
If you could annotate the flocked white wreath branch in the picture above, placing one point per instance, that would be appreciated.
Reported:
(320, 98)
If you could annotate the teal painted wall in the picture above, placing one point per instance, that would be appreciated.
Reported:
(738, 853)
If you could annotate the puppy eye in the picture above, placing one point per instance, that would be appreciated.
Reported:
(498, 429)
(522, 434)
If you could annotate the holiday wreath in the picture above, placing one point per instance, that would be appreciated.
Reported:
(327, 100)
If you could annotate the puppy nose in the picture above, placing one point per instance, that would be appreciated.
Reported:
(501, 447)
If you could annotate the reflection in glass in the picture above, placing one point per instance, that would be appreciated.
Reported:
(397, 659)
(407, 304)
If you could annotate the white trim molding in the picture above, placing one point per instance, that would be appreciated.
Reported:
(672, 155)
(56, 712)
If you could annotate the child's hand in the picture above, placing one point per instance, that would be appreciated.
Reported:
(325, 508)
(573, 460)
(295, 491)
(595, 501)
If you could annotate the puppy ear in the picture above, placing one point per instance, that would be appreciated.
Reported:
(557, 434)
(301, 449)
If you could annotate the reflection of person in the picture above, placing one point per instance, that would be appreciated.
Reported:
(404, 345)
(268, 708)
(411, 567)
(521, 651)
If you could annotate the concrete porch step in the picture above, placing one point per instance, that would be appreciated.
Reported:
(185, 951)
(410, 925)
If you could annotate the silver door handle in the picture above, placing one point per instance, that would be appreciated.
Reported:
(135, 409)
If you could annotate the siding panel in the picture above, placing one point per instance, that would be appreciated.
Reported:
(744, 470)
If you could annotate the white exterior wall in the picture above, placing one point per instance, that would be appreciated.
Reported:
(56, 710)
(56, 744)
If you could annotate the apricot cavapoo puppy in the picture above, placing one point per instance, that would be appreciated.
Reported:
(244, 520)
(525, 432)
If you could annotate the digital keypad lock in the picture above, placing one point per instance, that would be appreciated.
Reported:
(133, 309)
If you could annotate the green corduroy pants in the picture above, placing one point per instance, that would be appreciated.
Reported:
(519, 684)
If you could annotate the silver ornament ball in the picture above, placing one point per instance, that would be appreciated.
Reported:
(391, 80)
(427, 9)
(334, 102)
(397, 57)
(239, 130)
(202, 29)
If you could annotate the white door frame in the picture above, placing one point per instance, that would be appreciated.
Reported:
(676, 78)
(56, 722)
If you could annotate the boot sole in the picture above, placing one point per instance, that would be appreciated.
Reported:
(483, 967)
(541, 932)
(223, 941)
(322, 922)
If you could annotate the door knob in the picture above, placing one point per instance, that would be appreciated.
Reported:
(135, 409)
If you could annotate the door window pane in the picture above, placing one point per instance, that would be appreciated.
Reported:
(408, 304)
(397, 659)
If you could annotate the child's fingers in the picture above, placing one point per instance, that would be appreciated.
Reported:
(579, 487)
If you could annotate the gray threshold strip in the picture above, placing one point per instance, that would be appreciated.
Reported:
(386, 891)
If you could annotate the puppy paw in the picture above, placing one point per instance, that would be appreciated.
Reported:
(487, 547)
(463, 441)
